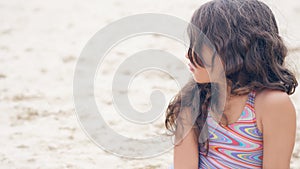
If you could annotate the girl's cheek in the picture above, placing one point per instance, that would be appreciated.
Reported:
(201, 76)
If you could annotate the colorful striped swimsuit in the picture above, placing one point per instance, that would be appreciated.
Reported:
(238, 145)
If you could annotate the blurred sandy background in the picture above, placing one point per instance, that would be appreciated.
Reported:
(40, 42)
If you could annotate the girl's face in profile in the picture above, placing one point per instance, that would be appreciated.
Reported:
(199, 73)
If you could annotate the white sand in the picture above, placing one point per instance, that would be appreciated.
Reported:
(40, 42)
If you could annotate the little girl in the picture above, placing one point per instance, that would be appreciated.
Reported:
(256, 126)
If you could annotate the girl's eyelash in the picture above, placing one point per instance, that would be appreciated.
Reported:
(191, 55)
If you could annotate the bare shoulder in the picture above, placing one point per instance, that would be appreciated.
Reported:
(278, 119)
(274, 104)
(273, 98)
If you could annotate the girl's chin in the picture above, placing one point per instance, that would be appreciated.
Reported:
(200, 80)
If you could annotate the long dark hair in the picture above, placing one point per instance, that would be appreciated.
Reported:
(245, 35)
